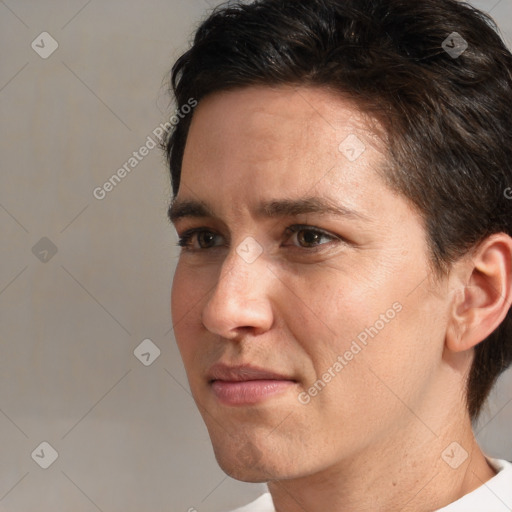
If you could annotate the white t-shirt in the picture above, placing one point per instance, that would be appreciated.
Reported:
(495, 495)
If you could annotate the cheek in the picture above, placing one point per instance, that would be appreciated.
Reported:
(328, 311)
(179, 298)
(185, 311)
(390, 355)
(373, 321)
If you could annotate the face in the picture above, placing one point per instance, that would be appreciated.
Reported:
(301, 301)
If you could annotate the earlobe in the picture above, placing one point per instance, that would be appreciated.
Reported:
(479, 307)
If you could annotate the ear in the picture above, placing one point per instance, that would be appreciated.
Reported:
(484, 299)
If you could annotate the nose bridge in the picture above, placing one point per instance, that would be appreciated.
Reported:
(241, 271)
(245, 258)
(239, 298)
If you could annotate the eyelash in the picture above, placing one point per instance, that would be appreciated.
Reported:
(186, 238)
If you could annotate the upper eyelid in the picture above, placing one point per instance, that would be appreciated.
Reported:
(309, 227)
(292, 228)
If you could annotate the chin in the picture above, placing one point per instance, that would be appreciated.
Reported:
(253, 463)
(249, 475)
(241, 460)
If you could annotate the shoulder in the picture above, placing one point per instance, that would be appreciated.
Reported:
(262, 504)
(495, 495)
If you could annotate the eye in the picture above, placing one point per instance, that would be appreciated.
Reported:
(309, 237)
(204, 239)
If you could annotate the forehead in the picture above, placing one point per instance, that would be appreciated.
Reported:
(259, 113)
(251, 143)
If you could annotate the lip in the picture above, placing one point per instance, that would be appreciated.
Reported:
(243, 372)
(246, 384)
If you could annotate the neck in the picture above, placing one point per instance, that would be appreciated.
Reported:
(419, 470)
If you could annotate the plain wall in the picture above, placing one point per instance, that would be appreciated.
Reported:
(128, 436)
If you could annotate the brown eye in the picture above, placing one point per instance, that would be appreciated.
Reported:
(205, 240)
(308, 237)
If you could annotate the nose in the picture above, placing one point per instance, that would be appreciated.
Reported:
(240, 299)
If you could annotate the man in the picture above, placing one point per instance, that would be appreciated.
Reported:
(342, 300)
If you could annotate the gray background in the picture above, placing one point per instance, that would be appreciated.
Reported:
(128, 436)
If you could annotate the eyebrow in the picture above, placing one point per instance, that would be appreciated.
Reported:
(180, 209)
